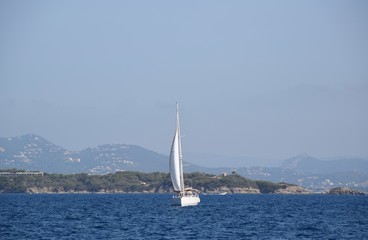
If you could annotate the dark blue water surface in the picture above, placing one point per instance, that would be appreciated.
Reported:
(151, 216)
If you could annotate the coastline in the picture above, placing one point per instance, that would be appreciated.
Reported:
(290, 190)
(142, 183)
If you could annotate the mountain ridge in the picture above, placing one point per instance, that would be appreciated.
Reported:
(32, 152)
(306, 163)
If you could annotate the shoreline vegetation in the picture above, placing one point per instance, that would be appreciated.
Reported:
(12, 181)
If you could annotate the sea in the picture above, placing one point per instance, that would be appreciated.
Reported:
(151, 216)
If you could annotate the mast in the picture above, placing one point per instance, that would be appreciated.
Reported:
(180, 150)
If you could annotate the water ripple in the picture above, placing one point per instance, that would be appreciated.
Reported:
(146, 216)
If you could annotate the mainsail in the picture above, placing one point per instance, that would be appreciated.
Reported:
(176, 166)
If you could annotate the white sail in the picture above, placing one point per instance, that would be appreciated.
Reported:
(175, 159)
(175, 164)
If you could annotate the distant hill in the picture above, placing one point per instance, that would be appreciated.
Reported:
(307, 164)
(313, 173)
(309, 172)
(221, 161)
(32, 152)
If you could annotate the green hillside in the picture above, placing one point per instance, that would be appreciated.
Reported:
(129, 182)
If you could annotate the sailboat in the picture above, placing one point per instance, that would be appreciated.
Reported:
(184, 196)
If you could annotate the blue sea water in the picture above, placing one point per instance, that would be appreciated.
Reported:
(151, 216)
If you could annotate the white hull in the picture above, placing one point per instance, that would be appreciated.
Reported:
(185, 201)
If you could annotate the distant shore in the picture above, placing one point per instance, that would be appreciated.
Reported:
(138, 182)
(334, 191)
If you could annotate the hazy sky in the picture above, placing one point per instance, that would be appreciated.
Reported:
(268, 79)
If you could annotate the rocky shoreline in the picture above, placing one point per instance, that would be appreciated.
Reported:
(293, 190)
(344, 191)
(136, 182)
(220, 190)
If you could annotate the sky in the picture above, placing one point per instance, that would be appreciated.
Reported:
(264, 79)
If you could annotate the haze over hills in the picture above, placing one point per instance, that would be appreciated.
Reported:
(314, 173)
(219, 161)
(306, 163)
(32, 152)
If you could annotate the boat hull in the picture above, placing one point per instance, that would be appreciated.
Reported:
(185, 201)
